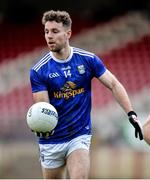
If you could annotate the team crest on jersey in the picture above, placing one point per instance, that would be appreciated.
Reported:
(81, 69)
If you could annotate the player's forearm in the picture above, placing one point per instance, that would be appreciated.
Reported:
(122, 97)
(41, 96)
(119, 92)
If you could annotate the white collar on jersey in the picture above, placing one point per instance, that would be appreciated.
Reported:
(64, 60)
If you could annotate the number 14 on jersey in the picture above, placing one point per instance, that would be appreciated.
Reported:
(67, 73)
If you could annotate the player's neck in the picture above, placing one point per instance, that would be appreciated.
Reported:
(63, 54)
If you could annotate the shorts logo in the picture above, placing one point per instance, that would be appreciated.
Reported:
(54, 75)
(85, 143)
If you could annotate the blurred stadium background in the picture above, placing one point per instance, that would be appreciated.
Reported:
(119, 32)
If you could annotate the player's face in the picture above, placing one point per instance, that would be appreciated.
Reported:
(56, 35)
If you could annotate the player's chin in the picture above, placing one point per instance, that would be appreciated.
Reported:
(52, 48)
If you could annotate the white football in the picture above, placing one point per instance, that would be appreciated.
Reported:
(42, 117)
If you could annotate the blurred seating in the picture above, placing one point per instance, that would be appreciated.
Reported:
(19, 39)
(24, 38)
(130, 65)
(20, 46)
(127, 58)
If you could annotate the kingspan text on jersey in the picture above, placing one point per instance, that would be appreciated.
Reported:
(68, 94)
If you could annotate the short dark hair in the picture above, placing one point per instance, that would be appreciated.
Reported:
(58, 16)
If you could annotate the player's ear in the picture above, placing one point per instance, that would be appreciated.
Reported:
(69, 32)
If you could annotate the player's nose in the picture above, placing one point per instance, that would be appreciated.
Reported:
(49, 35)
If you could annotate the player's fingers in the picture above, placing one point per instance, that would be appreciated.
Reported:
(139, 131)
(140, 135)
(136, 133)
(47, 134)
(37, 134)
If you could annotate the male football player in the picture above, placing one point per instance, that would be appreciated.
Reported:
(63, 78)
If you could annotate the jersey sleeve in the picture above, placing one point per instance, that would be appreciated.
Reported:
(37, 84)
(98, 67)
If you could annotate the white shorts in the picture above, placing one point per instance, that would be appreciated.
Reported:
(54, 155)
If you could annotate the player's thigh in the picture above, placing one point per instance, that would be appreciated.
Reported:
(78, 164)
(56, 173)
(52, 158)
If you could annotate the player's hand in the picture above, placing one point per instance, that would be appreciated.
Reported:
(43, 134)
(136, 124)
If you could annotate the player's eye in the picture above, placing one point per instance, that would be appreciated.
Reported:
(46, 31)
(55, 31)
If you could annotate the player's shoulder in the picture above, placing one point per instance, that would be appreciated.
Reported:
(41, 62)
(83, 52)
